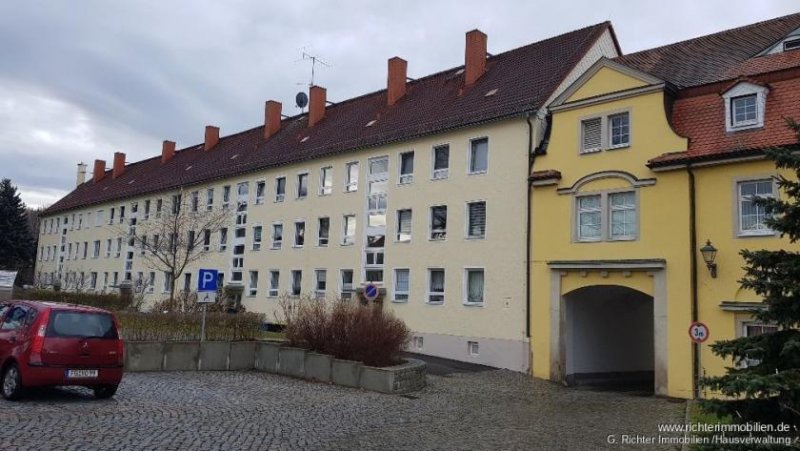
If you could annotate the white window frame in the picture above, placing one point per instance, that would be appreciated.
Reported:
(349, 240)
(209, 199)
(605, 216)
(260, 237)
(744, 89)
(276, 244)
(319, 232)
(274, 289)
(293, 273)
(325, 190)
(605, 131)
(429, 293)
(472, 142)
(395, 291)
(343, 288)
(320, 294)
(473, 348)
(280, 197)
(610, 130)
(252, 283)
(738, 205)
(295, 235)
(262, 184)
(430, 224)
(397, 235)
(405, 179)
(299, 177)
(468, 219)
(465, 286)
(350, 185)
(223, 244)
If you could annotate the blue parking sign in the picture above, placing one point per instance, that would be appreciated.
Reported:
(207, 280)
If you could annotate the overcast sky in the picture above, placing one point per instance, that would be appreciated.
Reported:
(80, 80)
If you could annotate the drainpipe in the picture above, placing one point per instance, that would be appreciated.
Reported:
(531, 159)
(693, 268)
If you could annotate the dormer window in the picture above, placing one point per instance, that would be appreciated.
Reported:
(744, 106)
(793, 44)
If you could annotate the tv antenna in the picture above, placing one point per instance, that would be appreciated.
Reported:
(314, 61)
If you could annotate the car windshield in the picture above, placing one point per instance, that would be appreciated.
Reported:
(81, 325)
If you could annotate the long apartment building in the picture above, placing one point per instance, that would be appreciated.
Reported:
(420, 188)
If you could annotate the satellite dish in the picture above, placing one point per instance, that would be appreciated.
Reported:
(301, 99)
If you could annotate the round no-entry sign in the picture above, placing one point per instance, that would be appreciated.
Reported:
(698, 332)
(371, 292)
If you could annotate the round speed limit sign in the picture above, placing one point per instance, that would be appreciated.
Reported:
(698, 332)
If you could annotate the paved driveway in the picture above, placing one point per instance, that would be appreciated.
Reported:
(488, 410)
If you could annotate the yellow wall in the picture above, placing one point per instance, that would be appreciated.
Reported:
(606, 80)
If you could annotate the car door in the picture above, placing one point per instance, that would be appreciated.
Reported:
(5, 335)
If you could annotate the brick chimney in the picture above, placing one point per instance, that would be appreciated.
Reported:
(316, 105)
(119, 165)
(167, 151)
(396, 80)
(99, 170)
(474, 57)
(272, 118)
(81, 174)
(212, 137)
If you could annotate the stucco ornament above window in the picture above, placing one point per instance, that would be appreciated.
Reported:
(745, 104)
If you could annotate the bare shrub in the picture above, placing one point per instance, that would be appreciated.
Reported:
(345, 330)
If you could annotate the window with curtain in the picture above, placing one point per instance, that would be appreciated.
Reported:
(477, 219)
(351, 178)
(751, 216)
(257, 238)
(439, 222)
(589, 217)
(404, 225)
(349, 229)
(274, 279)
(406, 167)
(401, 284)
(253, 283)
(302, 185)
(277, 236)
(436, 286)
(326, 180)
(280, 189)
(623, 214)
(441, 161)
(479, 156)
(297, 280)
(299, 233)
(474, 286)
(324, 231)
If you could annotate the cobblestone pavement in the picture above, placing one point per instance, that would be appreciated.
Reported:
(491, 410)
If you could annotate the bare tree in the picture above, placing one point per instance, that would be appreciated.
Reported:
(175, 238)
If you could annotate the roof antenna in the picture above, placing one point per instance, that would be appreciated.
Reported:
(301, 99)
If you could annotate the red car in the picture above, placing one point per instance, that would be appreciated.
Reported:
(47, 344)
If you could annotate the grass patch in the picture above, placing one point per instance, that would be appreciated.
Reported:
(698, 415)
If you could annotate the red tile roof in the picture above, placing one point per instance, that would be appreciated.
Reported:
(717, 57)
(524, 78)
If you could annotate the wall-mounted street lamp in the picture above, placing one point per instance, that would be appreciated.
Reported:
(709, 253)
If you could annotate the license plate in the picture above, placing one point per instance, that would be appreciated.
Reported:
(81, 374)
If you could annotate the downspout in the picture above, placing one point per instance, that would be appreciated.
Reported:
(693, 268)
(531, 159)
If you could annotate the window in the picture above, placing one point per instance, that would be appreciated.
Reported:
(206, 240)
(325, 181)
(349, 228)
(406, 167)
(473, 291)
(403, 225)
(167, 282)
(223, 239)
(401, 285)
(108, 248)
(297, 281)
(591, 135)
(280, 189)
(611, 216)
(752, 329)
(299, 233)
(191, 239)
(347, 283)
(14, 318)
(260, 188)
(744, 110)
(243, 191)
(96, 252)
(417, 342)
(187, 282)
(374, 275)
(159, 204)
(85, 249)
(111, 216)
(441, 162)
(277, 235)
(321, 284)
(119, 247)
(253, 289)
(302, 185)
(257, 238)
(226, 197)
(619, 129)
(324, 226)
(176, 204)
(476, 219)
(209, 199)
(274, 279)
(98, 218)
(473, 348)
(479, 156)
(80, 221)
(436, 286)
(93, 280)
(752, 217)
(351, 177)
(194, 201)
(151, 284)
(439, 222)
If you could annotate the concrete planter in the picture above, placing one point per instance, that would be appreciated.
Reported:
(318, 367)
(214, 355)
(266, 356)
(404, 378)
(346, 372)
(292, 361)
(242, 355)
(144, 356)
(181, 355)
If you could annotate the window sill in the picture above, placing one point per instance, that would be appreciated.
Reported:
(324, 194)
(438, 179)
(437, 239)
(322, 245)
(478, 173)
(297, 246)
(744, 126)
(763, 234)
(620, 146)
(399, 301)
(434, 303)
(348, 244)
(301, 198)
(623, 238)
(350, 192)
(474, 304)
(475, 238)
(402, 241)
(275, 248)
(590, 151)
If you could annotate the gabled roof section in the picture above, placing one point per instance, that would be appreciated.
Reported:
(605, 63)
(719, 56)
(523, 79)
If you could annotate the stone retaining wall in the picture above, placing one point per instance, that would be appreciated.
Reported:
(272, 357)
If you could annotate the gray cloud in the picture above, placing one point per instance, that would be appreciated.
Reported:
(80, 80)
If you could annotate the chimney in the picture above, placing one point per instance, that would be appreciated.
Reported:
(272, 118)
(316, 105)
(474, 57)
(212, 137)
(396, 80)
(99, 170)
(81, 173)
(167, 151)
(119, 165)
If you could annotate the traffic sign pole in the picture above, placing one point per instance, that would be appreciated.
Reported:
(206, 294)
(203, 324)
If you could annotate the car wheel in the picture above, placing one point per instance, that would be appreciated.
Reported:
(105, 391)
(12, 382)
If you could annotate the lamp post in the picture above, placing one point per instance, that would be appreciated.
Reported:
(709, 253)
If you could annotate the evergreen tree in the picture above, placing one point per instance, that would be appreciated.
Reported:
(16, 243)
(764, 384)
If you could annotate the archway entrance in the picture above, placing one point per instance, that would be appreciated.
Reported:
(609, 338)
